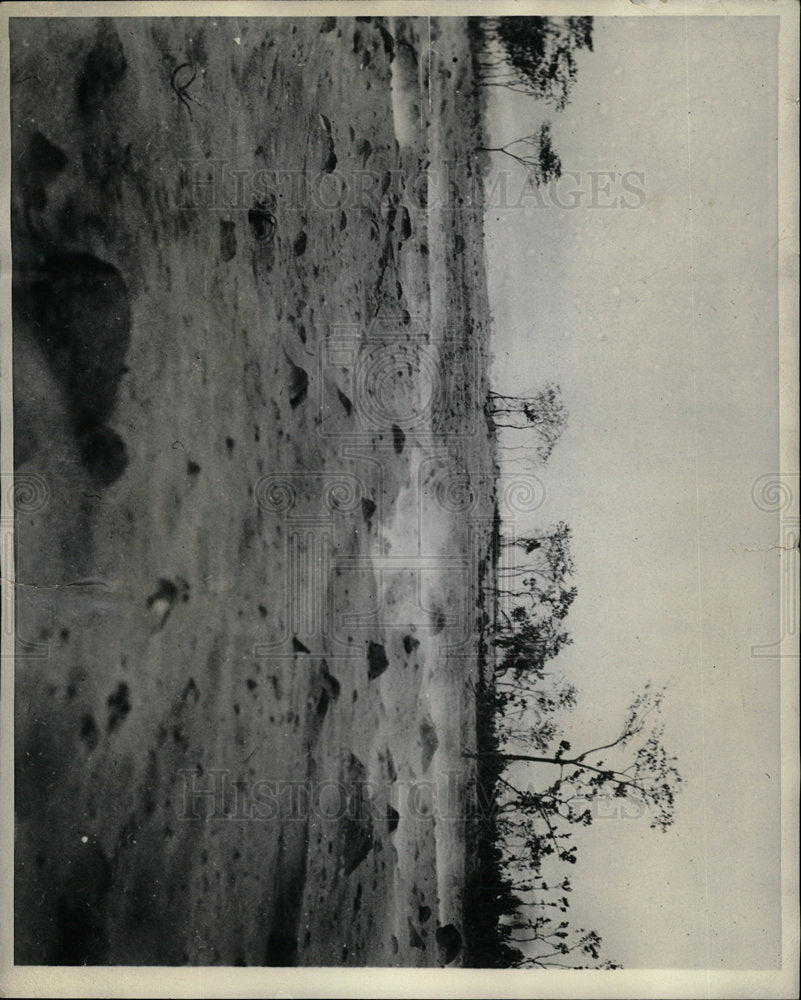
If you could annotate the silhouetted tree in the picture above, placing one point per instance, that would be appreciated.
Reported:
(641, 767)
(535, 153)
(535, 55)
(543, 412)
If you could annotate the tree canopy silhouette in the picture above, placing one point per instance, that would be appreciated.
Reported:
(535, 153)
(544, 412)
(537, 55)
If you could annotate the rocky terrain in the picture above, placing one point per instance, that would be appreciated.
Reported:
(250, 346)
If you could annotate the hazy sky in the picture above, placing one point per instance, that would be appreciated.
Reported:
(660, 324)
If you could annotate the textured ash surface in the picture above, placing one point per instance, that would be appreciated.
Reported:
(177, 620)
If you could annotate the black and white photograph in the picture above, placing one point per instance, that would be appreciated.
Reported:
(400, 533)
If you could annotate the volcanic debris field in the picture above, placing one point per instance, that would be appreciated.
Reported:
(250, 353)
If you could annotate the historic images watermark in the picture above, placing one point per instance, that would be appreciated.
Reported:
(25, 494)
(220, 184)
(776, 493)
(217, 794)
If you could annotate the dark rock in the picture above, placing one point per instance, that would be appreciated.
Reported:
(415, 941)
(439, 621)
(368, 509)
(103, 69)
(450, 942)
(429, 740)
(80, 311)
(389, 42)
(377, 661)
(347, 406)
(298, 384)
(329, 157)
(261, 222)
(332, 685)
(406, 224)
(358, 831)
(103, 454)
(398, 439)
(119, 706)
(410, 644)
(227, 240)
(89, 734)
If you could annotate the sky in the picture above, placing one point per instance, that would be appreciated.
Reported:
(660, 324)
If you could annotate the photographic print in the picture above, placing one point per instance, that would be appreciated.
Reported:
(399, 542)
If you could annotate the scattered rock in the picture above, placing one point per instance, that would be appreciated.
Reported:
(393, 818)
(398, 439)
(450, 942)
(166, 596)
(262, 222)
(190, 691)
(347, 406)
(323, 702)
(439, 621)
(406, 224)
(330, 160)
(331, 683)
(389, 42)
(368, 509)
(119, 706)
(89, 734)
(298, 383)
(429, 741)
(103, 454)
(410, 644)
(377, 661)
(227, 240)
(299, 246)
(423, 914)
(104, 68)
(329, 156)
(364, 149)
(415, 941)
(392, 774)
(358, 826)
